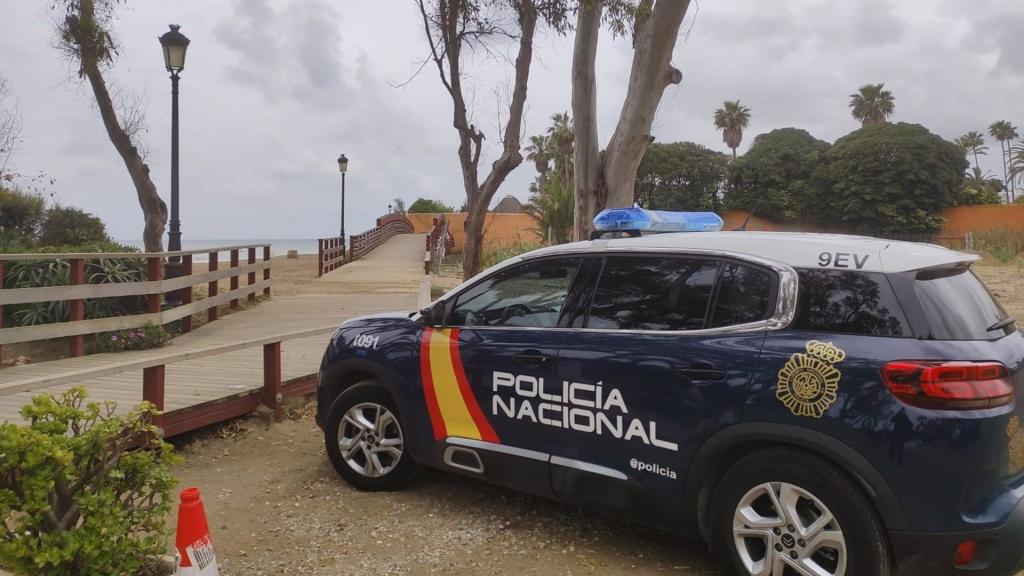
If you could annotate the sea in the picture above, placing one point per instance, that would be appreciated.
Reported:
(278, 246)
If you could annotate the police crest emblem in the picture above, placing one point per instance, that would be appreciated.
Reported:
(809, 382)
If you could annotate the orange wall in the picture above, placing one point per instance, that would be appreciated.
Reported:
(499, 229)
(959, 220)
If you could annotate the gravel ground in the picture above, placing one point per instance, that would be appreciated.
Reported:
(275, 506)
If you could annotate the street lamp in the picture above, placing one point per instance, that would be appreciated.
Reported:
(343, 168)
(174, 44)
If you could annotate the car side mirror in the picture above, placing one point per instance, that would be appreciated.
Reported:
(433, 315)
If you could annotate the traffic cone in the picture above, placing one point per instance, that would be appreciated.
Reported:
(195, 549)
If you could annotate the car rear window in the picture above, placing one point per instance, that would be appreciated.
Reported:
(847, 302)
(957, 305)
(743, 295)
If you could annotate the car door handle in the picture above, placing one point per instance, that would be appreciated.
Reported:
(702, 371)
(532, 358)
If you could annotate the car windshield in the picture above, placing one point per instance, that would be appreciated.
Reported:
(959, 307)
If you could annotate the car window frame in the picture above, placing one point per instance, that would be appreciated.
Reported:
(783, 308)
(721, 259)
(452, 301)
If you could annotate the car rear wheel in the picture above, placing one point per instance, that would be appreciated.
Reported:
(783, 512)
(366, 441)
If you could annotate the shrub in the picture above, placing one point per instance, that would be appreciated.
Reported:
(76, 496)
(501, 253)
(20, 217)
(66, 225)
(1002, 244)
(428, 206)
(145, 338)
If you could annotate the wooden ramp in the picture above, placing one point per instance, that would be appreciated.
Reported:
(218, 370)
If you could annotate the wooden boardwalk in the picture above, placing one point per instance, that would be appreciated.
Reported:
(388, 278)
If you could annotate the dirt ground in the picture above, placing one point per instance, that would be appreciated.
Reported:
(276, 506)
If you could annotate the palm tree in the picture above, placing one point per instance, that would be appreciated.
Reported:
(561, 146)
(731, 120)
(872, 104)
(972, 143)
(1016, 163)
(981, 188)
(537, 152)
(1005, 133)
(553, 207)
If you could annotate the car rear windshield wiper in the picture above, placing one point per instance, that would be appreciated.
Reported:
(1001, 324)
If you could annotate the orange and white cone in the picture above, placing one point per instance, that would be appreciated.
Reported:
(195, 549)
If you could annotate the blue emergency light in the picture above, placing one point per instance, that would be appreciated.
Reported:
(638, 219)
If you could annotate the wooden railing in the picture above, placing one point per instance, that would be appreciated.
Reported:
(154, 288)
(387, 226)
(330, 255)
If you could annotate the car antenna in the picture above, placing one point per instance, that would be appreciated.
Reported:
(743, 227)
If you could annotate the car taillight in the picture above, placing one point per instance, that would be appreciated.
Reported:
(949, 385)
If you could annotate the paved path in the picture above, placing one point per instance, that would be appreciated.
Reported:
(388, 278)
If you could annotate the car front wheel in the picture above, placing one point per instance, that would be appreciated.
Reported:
(365, 439)
(783, 512)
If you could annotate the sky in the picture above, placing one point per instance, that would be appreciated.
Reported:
(274, 90)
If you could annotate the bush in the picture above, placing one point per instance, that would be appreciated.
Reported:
(76, 497)
(145, 338)
(20, 217)
(428, 206)
(678, 176)
(1002, 244)
(66, 225)
(888, 179)
(501, 253)
(1019, 200)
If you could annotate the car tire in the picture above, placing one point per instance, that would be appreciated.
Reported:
(366, 440)
(826, 520)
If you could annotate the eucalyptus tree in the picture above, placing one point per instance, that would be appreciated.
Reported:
(872, 104)
(731, 120)
(607, 179)
(85, 35)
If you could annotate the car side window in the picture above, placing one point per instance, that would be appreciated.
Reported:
(653, 293)
(527, 295)
(744, 295)
(848, 302)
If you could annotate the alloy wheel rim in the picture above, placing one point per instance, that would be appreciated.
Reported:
(780, 529)
(370, 439)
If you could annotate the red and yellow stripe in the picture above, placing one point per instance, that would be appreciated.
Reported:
(450, 401)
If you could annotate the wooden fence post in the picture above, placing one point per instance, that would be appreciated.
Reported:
(320, 257)
(266, 271)
(213, 287)
(153, 390)
(154, 273)
(234, 277)
(252, 275)
(186, 293)
(76, 308)
(272, 379)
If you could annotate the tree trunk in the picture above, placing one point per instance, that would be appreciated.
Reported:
(590, 194)
(153, 208)
(655, 32)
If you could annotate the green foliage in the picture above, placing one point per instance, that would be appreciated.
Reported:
(872, 104)
(1002, 244)
(145, 338)
(680, 176)
(1019, 200)
(66, 225)
(76, 496)
(774, 178)
(502, 253)
(553, 208)
(980, 189)
(428, 206)
(731, 119)
(888, 178)
(20, 217)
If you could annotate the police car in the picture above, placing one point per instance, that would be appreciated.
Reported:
(808, 404)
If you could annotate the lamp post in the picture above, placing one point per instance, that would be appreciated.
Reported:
(174, 44)
(343, 168)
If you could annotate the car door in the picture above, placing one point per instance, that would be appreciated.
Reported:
(500, 343)
(662, 361)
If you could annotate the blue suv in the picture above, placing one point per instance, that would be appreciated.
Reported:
(807, 404)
